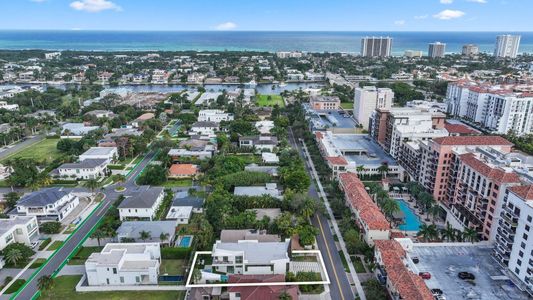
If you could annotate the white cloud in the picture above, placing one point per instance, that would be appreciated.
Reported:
(421, 17)
(478, 1)
(446, 1)
(94, 5)
(449, 14)
(399, 22)
(226, 26)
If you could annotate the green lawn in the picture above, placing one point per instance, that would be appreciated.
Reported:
(43, 150)
(64, 289)
(37, 263)
(82, 255)
(263, 100)
(15, 286)
(358, 265)
(55, 245)
(344, 262)
(177, 183)
(172, 266)
(347, 105)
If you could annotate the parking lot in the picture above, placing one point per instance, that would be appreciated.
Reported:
(445, 262)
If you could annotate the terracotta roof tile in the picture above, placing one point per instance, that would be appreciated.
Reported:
(472, 140)
(337, 160)
(525, 191)
(459, 129)
(183, 169)
(497, 174)
(261, 292)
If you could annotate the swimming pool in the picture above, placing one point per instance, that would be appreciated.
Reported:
(184, 241)
(412, 221)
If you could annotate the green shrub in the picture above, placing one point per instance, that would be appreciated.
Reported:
(175, 253)
(51, 227)
(44, 244)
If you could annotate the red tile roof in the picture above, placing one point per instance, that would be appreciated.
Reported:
(408, 284)
(459, 129)
(261, 292)
(183, 169)
(497, 174)
(319, 135)
(360, 201)
(472, 140)
(525, 191)
(337, 160)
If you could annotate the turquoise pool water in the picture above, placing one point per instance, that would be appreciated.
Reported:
(185, 241)
(412, 222)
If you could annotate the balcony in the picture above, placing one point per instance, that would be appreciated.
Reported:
(512, 221)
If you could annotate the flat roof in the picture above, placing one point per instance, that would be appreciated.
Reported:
(331, 119)
(361, 143)
(99, 151)
(445, 262)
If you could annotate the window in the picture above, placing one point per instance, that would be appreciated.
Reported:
(114, 270)
(238, 259)
(527, 227)
(121, 279)
(524, 236)
(529, 218)
(519, 262)
(107, 280)
(237, 295)
(520, 253)
(137, 279)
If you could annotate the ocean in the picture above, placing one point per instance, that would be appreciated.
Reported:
(271, 41)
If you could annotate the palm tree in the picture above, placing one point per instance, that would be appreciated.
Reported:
(91, 184)
(434, 211)
(448, 233)
(145, 235)
(428, 232)
(119, 178)
(14, 256)
(308, 208)
(285, 296)
(45, 282)
(99, 234)
(383, 170)
(470, 235)
(389, 207)
(164, 236)
(360, 169)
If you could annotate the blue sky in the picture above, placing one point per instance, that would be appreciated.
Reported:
(320, 15)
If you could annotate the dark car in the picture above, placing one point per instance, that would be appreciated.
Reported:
(466, 276)
(436, 292)
(425, 275)
(416, 260)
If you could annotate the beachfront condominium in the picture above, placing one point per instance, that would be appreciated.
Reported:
(507, 46)
(512, 248)
(376, 46)
(369, 98)
(412, 53)
(436, 50)
(470, 50)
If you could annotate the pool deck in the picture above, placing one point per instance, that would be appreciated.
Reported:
(405, 197)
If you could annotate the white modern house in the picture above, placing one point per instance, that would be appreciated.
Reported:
(124, 264)
(251, 257)
(270, 189)
(76, 129)
(214, 115)
(18, 229)
(86, 169)
(48, 204)
(133, 229)
(181, 214)
(10, 107)
(109, 154)
(261, 143)
(143, 205)
(205, 128)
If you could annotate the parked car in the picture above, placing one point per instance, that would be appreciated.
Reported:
(466, 276)
(416, 259)
(425, 275)
(436, 292)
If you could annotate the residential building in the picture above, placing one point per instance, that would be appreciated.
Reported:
(236, 235)
(269, 158)
(260, 142)
(10, 107)
(393, 270)
(271, 170)
(214, 115)
(18, 229)
(436, 50)
(325, 102)
(182, 214)
(137, 123)
(142, 205)
(376, 46)
(512, 249)
(251, 257)
(413, 53)
(260, 292)
(374, 226)
(183, 171)
(205, 128)
(507, 46)
(83, 170)
(270, 189)
(183, 199)
(194, 153)
(264, 127)
(124, 264)
(470, 50)
(100, 113)
(108, 154)
(52, 55)
(104, 77)
(289, 54)
(77, 129)
(156, 229)
(48, 204)
(437, 158)
(368, 99)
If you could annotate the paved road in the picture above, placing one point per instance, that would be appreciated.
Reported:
(340, 286)
(76, 239)
(17, 147)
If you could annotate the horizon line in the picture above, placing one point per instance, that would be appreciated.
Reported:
(260, 30)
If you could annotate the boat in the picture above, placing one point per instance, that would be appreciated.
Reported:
(282, 84)
(252, 83)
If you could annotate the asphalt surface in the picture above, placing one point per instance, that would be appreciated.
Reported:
(76, 239)
(19, 146)
(340, 286)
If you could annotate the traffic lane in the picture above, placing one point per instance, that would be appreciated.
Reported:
(19, 146)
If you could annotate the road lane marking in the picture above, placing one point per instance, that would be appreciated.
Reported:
(330, 257)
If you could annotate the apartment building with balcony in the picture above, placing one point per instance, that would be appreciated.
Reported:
(513, 248)
(251, 257)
